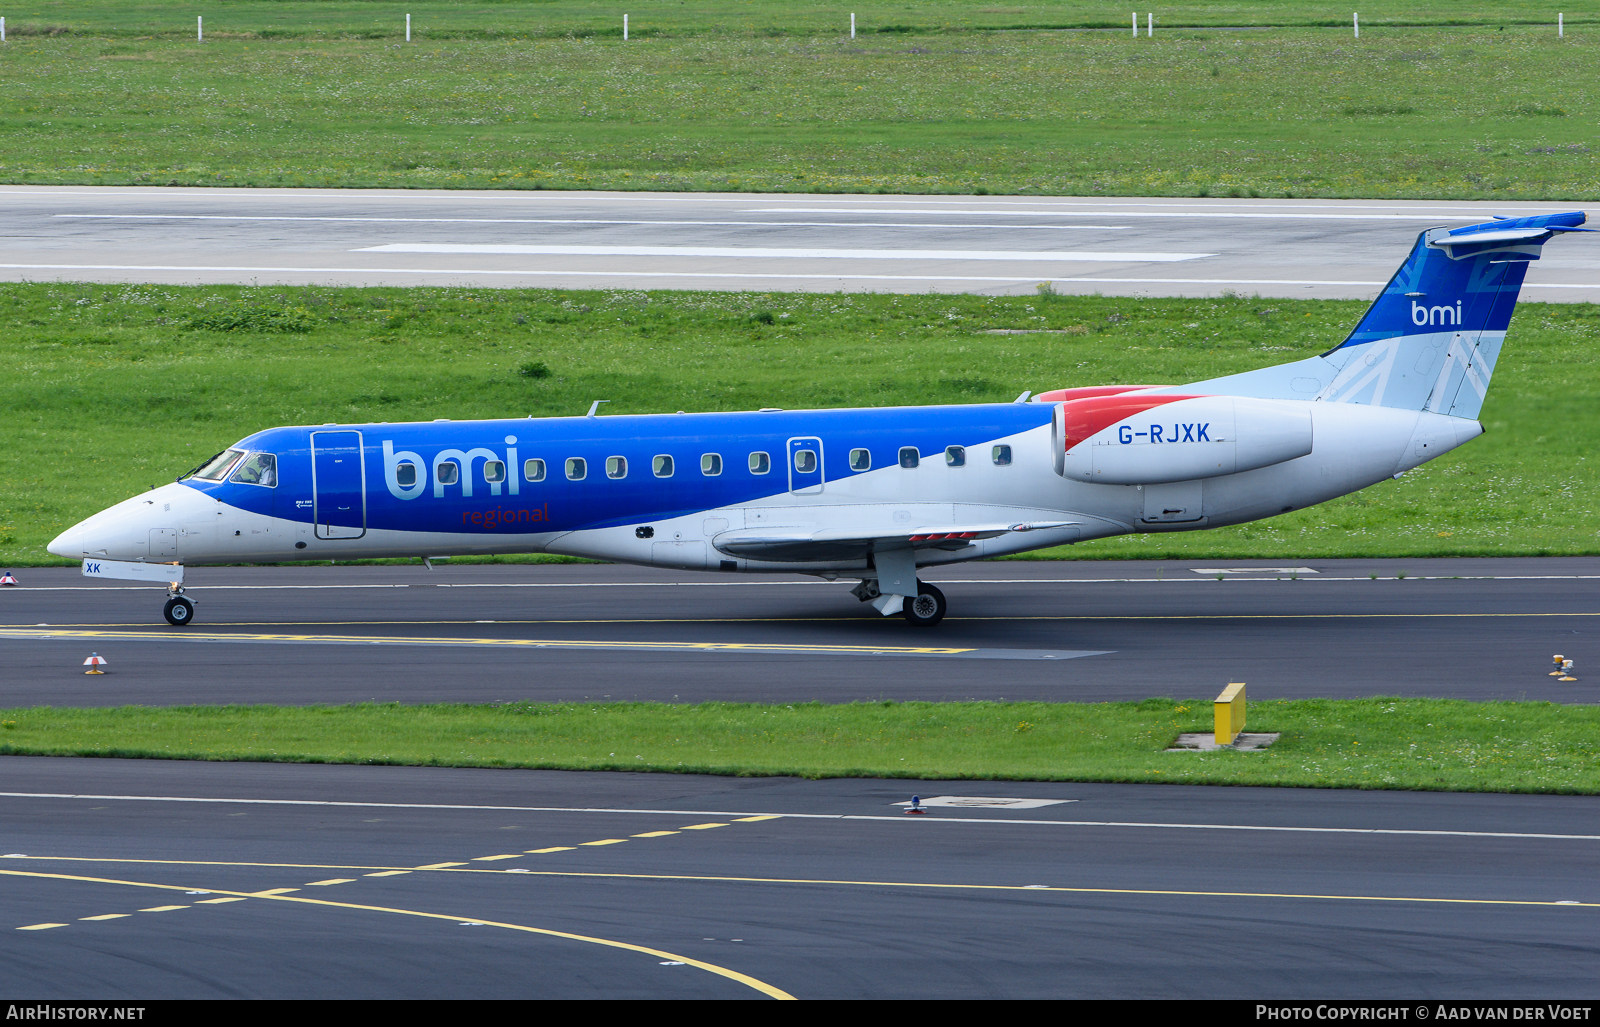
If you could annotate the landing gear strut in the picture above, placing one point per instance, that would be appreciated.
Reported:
(179, 610)
(927, 607)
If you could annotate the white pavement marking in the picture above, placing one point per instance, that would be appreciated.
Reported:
(774, 584)
(759, 252)
(987, 802)
(898, 818)
(1253, 570)
(578, 221)
(1293, 213)
(785, 276)
(502, 272)
(548, 198)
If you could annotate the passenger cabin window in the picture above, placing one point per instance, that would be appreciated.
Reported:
(447, 473)
(955, 456)
(662, 466)
(493, 471)
(1002, 455)
(710, 464)
(616, 467)
(860, 460)
(218, 466)
(262, 469)
(909, 456)
(805, 461)
(405, 474)
(577, 468)
(760, 463)
(533, 470)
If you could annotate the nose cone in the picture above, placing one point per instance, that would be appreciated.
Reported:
(68, 543)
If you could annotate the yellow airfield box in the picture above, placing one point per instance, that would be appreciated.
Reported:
(1229, 709)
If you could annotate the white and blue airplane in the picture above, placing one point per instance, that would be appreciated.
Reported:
(870, 494)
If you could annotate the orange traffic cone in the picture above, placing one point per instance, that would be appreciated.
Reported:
(94, 663)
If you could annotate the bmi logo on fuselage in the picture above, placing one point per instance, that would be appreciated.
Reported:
(1422, 316)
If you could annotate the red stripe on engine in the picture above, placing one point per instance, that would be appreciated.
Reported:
(1086, 417)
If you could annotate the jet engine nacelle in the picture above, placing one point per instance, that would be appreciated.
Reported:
(1147, 439)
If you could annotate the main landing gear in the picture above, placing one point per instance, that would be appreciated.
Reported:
(927, 608)
(179, 610)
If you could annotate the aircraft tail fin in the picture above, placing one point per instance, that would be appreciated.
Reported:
(1431, 338)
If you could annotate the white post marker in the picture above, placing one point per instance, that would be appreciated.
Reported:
(1355, 19)
(852, 25)
(624, 28)
(1561, 26)
(1136, 24)
(408, 28)
(163, 572)
(199, 29)
(1150, 24)
(2, 30)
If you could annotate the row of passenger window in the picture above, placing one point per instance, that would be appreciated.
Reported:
(663, 466)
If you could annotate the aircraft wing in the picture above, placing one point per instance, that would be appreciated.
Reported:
(803, 545)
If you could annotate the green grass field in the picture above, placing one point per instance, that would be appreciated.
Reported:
(114, 389)
(1418, 744)
(282, 19)
(766, 97)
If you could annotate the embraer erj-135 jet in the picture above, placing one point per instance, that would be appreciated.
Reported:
(869, 494)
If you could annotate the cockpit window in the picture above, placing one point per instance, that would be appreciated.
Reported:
(261, 469)
(218, 466)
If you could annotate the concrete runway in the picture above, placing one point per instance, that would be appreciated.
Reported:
(1000, 245)
(149, 880)
(1080, 631)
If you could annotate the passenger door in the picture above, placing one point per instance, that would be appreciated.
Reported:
(338, 484)
(805, 465)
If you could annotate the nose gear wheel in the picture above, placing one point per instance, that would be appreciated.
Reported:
(179, 611)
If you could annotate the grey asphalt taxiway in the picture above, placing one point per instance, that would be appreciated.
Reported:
(151, 879)
(144, 879)
(1071, 630)
(1130, 246)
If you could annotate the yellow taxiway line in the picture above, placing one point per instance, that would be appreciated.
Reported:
(458, 868)
(506, 643)
(732, 975)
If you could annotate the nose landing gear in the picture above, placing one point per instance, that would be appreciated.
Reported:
(179, 610)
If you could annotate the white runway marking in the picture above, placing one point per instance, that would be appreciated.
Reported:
(1294, 213)
(1252, 570)
(898, 818)
(775, 584)
(548, 198)
(753, 252)
(1052, 201)
(987, 802)
(719, 275)
(579, 221)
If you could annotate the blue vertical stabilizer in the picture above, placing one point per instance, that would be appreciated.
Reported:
(1431, 338)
